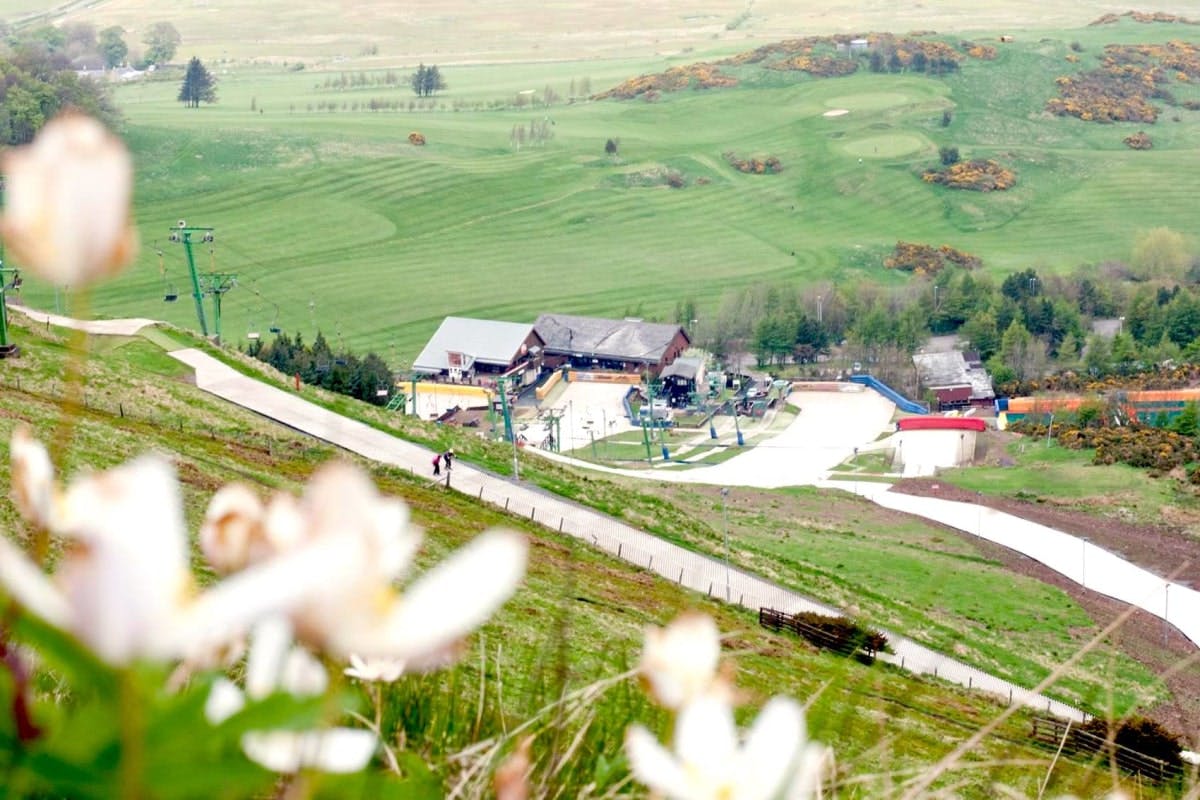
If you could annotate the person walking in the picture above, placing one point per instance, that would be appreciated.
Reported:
(437, 465)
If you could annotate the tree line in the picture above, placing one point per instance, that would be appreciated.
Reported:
(318, 365)
(1023, 326)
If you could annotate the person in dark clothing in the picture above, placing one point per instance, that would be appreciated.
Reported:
(437, 465)
(448, 457)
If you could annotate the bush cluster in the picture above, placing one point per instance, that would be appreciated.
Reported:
(1143, 736)
(838, 633)
(1129, 76)
(1175, 376)
(1158, 449)
(984, 52)
(977, 175)
(754, 166)
(819, 66)
(1139, 141)
(701, 75)
(1143, 17)
(925, 259)
(416, 138)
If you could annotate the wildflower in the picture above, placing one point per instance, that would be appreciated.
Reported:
(275, 665)
(353, 545)
(679, 662)
(33, 489)
(708, 762)
(67, 202)
(374, 670)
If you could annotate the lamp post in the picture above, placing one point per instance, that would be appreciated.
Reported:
(725, 536)
(935, 296)
(818, 309)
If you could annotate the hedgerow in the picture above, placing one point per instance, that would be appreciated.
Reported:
(924, 259)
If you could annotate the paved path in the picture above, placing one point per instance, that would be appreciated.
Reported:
(1075, 558)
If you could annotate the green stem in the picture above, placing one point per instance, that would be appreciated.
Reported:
(132, 745)
(72, 402)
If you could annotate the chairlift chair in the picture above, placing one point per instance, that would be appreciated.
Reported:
(170, 293)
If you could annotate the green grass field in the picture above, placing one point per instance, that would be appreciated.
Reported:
(333, 221)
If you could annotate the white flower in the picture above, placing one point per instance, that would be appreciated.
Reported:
(274, 665)
(33, 489)
(329, 562)
(354, 546)
(123, 586)
(679, 662)
(67, 202)
(707, 762)
(372, 670)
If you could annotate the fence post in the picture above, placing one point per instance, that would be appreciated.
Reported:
(969, 681)
(681, 576)
(710, 588)
(560, 524)
(506, 503)
(1010, 695)
(532, 513)
(121, 408)
(481, 492)
(650, 562)
(935, 670)
(619, 546)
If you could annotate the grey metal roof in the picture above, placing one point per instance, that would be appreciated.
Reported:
(623, 339)
(943, 370)
(485, 340)
(685, 367)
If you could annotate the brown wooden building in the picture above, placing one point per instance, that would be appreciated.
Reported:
(624, 345)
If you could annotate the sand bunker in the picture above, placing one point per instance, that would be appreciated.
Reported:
(836, 112)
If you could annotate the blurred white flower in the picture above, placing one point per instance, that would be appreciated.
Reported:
(708, 763)
(374, 670)
(33, 489)
(354, 545)
(679, 662)
(275, 665)
(329, 562)
(67, 200)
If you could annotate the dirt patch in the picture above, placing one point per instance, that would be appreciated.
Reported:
(836, 112)
(1144, 637)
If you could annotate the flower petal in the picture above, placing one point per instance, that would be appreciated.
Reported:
(232, 534)
(651, 764)
(33, 489)
(224, 700)
(269, 646)
(453, 598)
(769, 755)
(130, 577)
(67, 202)
(338, 750)
(679, 662)
(706, 738)
(30, 587)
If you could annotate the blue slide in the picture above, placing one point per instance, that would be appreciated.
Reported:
(902, 402)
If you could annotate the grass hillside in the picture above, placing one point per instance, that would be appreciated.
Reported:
(577, 618)
(332, 220)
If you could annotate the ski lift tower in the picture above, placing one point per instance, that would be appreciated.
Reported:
(214, 283)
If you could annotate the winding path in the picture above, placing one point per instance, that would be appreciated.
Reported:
(1105, 572)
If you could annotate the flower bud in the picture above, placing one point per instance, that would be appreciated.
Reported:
(67, 200)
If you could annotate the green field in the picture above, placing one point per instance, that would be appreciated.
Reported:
(333, 221)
